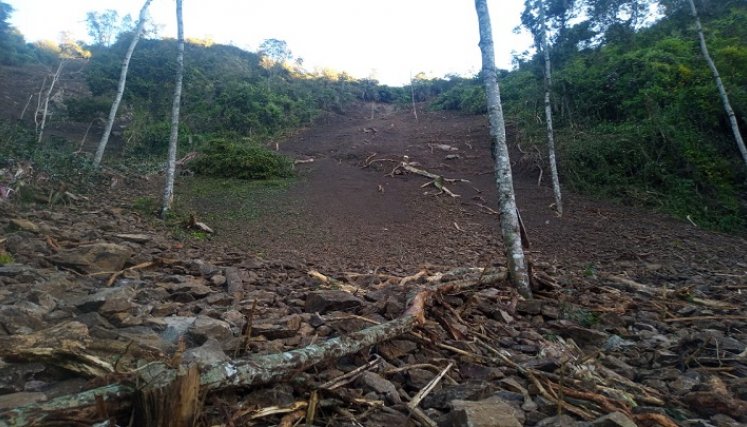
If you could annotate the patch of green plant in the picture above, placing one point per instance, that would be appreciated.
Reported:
(6, 258)
(590, 271)
(146, 205)
(243, 161)
(583, 316)
(55, 158)
(220, 200)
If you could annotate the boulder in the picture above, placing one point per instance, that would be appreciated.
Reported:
(331, 300)
(490, 412)
(93, 258)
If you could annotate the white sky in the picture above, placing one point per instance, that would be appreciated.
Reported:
(387, 39)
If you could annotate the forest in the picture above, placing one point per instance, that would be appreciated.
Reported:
(194, 234)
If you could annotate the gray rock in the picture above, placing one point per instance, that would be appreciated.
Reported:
(94, 258)
(615, 419)
(95, 301)
(175, 327)
(205, 327)
(21, 320)
(419, 378)
(491, 412)
(441, 399)
(330, 300)
(285, 327)
(208, 354)
(135, 238)
(557, 421)
(380, 385)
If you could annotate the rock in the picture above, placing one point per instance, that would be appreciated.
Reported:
(419, 378)
(10, 270)
(615, 419)
(380, 385)
(23, 225)
(218, 280)
(491, 412)
(21, 320)
(135, 238)
(16, 400)
(582, 336)
(721, 420)
(26, 244)
(531, 306)
(93, 258)
(285, 327)
(234, 284)
(93, 302)
(557, 421)
(685, 382)
(208, 354)
(205, 327)
(175, 327)
(395, 349)
(327, 300)
(440, 399)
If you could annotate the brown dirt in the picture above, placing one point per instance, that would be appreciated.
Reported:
(337, 217)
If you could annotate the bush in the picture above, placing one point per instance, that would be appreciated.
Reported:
(251, 161)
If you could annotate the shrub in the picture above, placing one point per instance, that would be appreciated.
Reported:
(249, 161)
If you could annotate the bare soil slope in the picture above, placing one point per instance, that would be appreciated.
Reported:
(345, 212)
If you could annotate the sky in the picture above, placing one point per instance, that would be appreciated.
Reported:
(389, 40)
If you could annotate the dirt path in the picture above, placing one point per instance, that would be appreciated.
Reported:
(341, 215)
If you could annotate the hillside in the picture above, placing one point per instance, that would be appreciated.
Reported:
(363, 281)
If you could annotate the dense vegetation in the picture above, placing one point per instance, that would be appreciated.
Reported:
(637, 112)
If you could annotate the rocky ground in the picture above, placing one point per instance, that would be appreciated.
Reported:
(638, 319)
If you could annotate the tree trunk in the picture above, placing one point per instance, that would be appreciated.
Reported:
(168, 191)
(121, 87)
(548, 113)
(46, 99)
(720, 85)
(504, 181)
(412, 95)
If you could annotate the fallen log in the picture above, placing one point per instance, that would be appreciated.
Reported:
(115, 399)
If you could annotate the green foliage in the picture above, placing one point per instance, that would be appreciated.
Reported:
(467, 96)
(6, 258)
(87, 109)
(55, 159)
(146, 205)
(243, 161)
(640, 120)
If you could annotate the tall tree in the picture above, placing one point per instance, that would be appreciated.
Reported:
(168, 191)
(719, 84)
(509, 216)
(548, 111)
(121, 86)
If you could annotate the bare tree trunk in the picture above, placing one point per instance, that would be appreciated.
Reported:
(38, 105)
(509, 217)
(168, 191)
(412, 95)
(720, 84)
(121, 87)
(45, 112)
(548, 114)
(26, 107)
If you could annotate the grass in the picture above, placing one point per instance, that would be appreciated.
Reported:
(226, 204)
